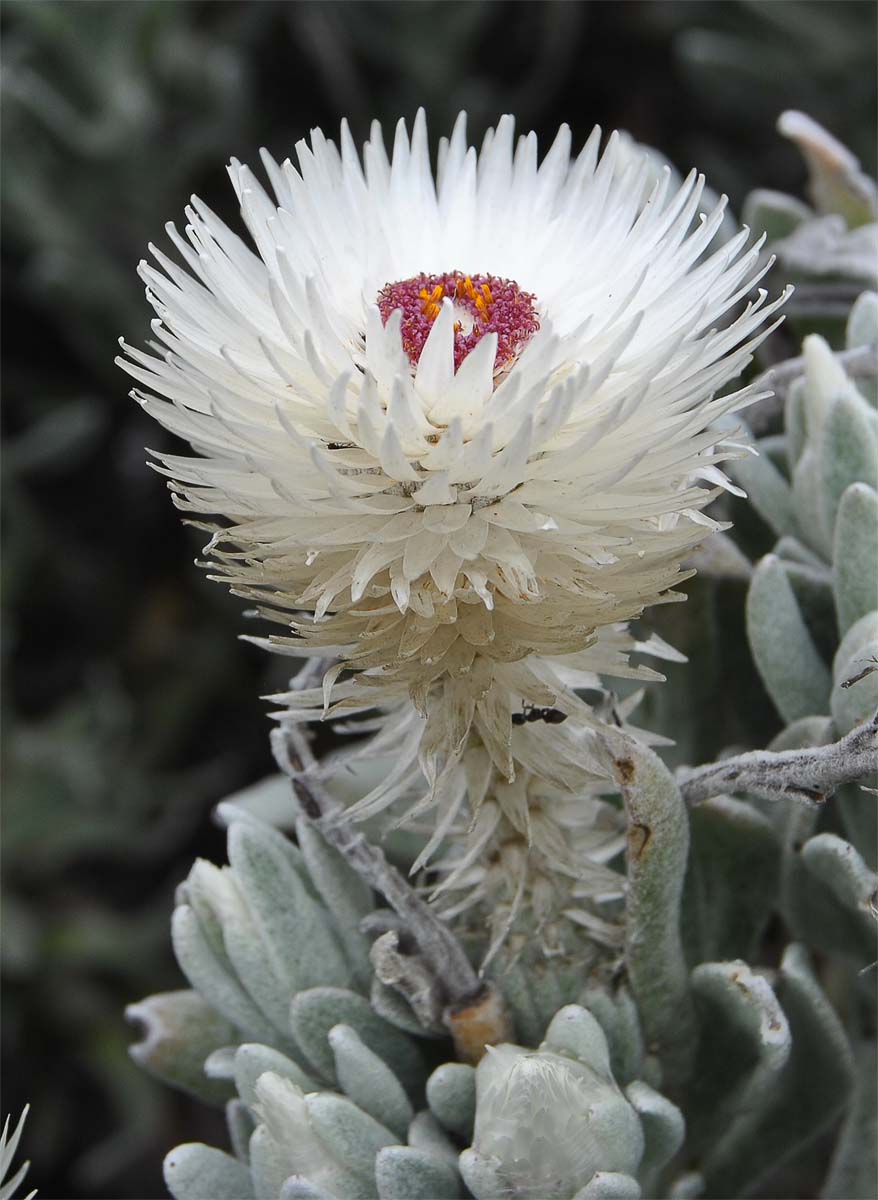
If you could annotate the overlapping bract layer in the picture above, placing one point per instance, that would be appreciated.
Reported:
(426, 523)
(525, 842)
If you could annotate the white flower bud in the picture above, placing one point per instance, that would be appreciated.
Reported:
(546, 1122)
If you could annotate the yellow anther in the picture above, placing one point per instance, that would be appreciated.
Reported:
(465, 288)
(430, 308)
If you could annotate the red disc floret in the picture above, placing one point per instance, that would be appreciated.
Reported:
(483, 304)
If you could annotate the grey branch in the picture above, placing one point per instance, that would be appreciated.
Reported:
(435, 942)
(859, 363)
(811, 775)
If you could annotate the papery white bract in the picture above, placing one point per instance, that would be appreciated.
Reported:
(431, 524)
(519, 857)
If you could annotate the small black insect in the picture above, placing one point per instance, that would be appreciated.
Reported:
(552, 716)
(862, 674)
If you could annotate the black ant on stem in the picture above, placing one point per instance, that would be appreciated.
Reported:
(552, 716)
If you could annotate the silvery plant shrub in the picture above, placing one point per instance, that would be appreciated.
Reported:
(491, 944)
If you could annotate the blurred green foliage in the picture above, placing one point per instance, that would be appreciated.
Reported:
(129, 705)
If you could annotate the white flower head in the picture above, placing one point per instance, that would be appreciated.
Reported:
(451, 423)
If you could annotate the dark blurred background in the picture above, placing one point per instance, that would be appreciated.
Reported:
(129, 706)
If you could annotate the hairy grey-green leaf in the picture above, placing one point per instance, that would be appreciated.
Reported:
(818, 918)
(268, 802)
(862, 330)
(848, 452)
(574, 1031)
(794, 674)
(290, 1141)
(618, 1017)
(404, 1173)
(178, 1032)
(346, 896)
(610, 1185)
(271, 1164)
(836, 183)
(352, 1136)
(814, 594)
(253, 957)
(862, 326)
(824, 246)
(731, 882)
(859, 814)
(837, 864)
(855, 555)
(203, 890)
(773, 213)
(853, 1173)
(857, 641)
(768, 491)
(253, 1060)
(689, 1186)
(369, 1082)
(241, 1125)
(534, 993)
(425, 1133)
(483, 1177)
(220, 1063)
(658, 844)
(314, 1012)
(197, 1172)
(664, 1128)
(796, 425)
(856, 666)
(793, 550)
(217, 984)
(808, 497)
(295, 931)
(297, 1187)
(745, 1044)
(451, 1095)
(812, 1090)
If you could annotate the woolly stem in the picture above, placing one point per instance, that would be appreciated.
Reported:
(811, 775)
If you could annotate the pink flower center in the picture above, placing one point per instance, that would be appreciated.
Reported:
(482, 304)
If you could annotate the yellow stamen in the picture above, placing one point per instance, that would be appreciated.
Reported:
(431, 308)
